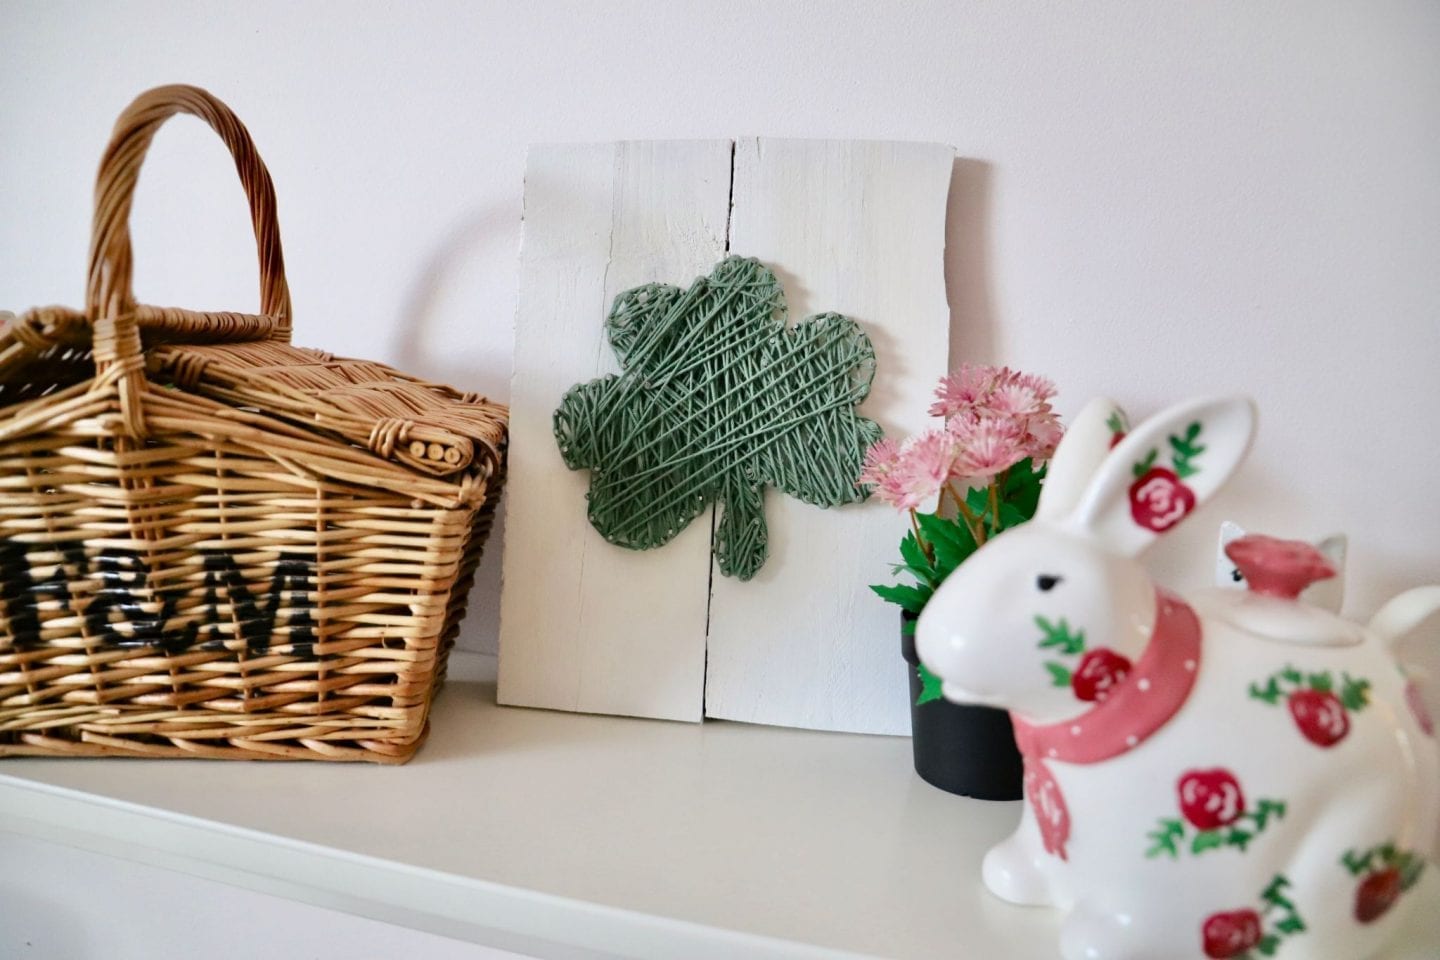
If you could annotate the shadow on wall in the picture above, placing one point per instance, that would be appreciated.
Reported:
(968, 263)
(32, 928)
(487, 234)
(482, 240)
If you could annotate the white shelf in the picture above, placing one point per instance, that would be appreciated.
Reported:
(569, 836)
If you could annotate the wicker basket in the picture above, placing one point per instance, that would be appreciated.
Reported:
(212, 543)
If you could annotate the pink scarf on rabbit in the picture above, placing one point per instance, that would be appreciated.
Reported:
(1150, 695)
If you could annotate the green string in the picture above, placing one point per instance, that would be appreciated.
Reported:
(717, 400)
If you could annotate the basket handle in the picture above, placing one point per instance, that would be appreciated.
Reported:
(108, 298)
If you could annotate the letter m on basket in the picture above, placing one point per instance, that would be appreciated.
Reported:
(213, 543)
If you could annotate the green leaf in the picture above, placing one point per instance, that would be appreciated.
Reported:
(1185, 448)
(907, 597)
(1164, 838)
(1274, 895)
(1354, 694)
(1011, 516)
(1292, 675)
(1270, 693)
(1059, 635)
(1239, 838)
(1291, 925)
(916, 561)
(978, 500)
(1022, 490)
(1207, 840)
(929, 686)
(1264, 811)
(949, 539)
(1410, 867)
(1321, 681)
(1268, 945)
(1060, 675)
(1116, 423)
(1143, 467)
(1355, 862)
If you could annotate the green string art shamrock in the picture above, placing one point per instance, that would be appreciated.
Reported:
(717, 400)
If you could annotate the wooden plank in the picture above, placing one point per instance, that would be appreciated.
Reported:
(584, 625)
(858, 228)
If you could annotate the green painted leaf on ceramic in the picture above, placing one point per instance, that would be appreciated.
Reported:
(1143, 467)
(1354, 694)
(1058, 635)
(1207, 840)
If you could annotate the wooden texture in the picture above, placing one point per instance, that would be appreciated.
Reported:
(586, 625)
(857, 227)
(213, 543)
(853, 227)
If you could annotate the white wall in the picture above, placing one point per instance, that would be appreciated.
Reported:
(1161, 199)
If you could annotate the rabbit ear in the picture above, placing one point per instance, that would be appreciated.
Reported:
(1329, 594)
(1334, 547)
(1163, 470)
(1226, 573)
(1095, 429)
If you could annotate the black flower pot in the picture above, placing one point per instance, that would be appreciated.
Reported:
(961, 749)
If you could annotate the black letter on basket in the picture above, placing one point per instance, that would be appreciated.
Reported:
(221, 573)
(125, 577)
(257, 627)
(22, 594)
(294, 576)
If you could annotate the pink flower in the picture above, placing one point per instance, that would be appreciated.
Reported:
(963, 392)
(880, 461)
(988, 444)
(1019, 395)
(913, 473)
(1042, 435)
(976, 394)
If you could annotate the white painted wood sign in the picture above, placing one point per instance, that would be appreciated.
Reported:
(854, 227)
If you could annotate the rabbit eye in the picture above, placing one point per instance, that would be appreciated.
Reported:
(1047, 581)
(1237, 576)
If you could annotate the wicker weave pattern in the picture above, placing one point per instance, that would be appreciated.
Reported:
(213, 543)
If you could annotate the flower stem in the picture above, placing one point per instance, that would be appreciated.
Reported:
(928, 550)
(972, 523)
(994, 507)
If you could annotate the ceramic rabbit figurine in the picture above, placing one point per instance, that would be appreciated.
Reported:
(1237, 775)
